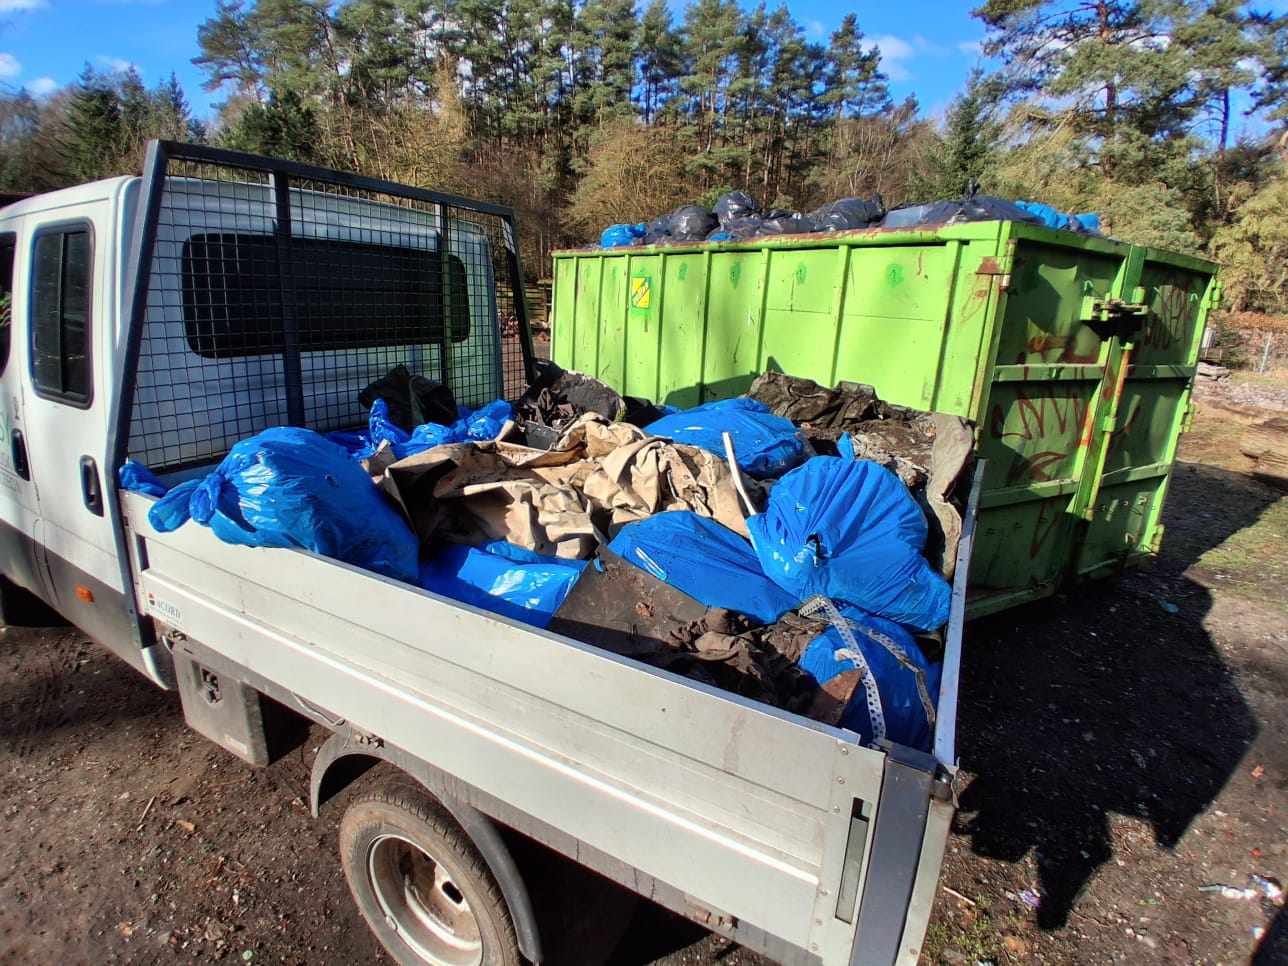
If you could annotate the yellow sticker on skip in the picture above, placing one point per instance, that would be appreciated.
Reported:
(641, 291)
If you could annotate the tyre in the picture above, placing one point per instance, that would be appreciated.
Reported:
(421, 884)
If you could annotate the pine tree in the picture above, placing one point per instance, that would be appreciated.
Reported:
(1226, 51)
(658, 51)
(605, 33)
(135, 105)
(1270, 94)
(1111, 63)
(172, 118)
(95, 131)
(231, 50)
(963, 154)
(711, 39)
(284, 127)
(855, 84)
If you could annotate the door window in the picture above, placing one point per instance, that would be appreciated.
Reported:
(62, 268)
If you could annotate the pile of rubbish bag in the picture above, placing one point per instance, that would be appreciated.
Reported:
(793, 545)
(736, 217)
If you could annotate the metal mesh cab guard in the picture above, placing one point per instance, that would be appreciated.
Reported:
(270, 293)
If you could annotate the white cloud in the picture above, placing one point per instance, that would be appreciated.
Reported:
(115, 65)
(971, 48)
(9, 66)
(19, 6)
(42, 86)
(925, 46)
(894, 51)
(815, 28)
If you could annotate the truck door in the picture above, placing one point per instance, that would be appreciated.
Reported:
(65, 409)
(19, 509)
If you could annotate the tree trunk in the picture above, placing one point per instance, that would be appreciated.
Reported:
(1224, 138)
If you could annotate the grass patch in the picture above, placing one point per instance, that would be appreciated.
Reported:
(976, 939)
(1250, 377)
(1254, 558)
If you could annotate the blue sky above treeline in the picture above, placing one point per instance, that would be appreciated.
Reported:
(927, 47)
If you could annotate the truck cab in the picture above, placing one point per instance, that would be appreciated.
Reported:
(62, 266)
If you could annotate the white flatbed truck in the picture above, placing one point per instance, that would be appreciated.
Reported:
(166, 316)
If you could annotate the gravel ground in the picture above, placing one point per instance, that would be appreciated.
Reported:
(1123, 747)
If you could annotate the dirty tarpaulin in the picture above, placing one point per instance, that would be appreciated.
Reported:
(927, 451)
(804, 401)
(563, 501)
(628, 611)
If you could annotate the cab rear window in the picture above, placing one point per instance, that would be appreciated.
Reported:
(342, 295)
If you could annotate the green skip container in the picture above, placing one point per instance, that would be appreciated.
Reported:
(1073, 355)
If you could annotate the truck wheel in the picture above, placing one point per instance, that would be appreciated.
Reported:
(421, 884)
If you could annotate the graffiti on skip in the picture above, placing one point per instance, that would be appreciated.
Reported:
(1169, 322)
(1061, 416)
(1061, 426)
(1057, 349)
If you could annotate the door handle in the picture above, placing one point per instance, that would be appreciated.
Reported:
(91, 490)
(18, 451)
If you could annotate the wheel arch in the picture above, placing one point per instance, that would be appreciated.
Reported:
(347, 755)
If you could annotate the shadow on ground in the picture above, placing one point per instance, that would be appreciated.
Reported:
(1273, 948)
(1103, 701)
(65, 686)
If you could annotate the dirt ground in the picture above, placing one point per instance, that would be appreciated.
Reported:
(1123, 746)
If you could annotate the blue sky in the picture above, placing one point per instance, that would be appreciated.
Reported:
(928, 46)
(44, 43)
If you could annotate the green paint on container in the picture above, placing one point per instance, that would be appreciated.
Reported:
(992, 321)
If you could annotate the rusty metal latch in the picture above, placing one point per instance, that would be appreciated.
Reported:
(1098, 309)
(999, 266)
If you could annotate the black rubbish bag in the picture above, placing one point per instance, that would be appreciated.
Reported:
(690, 223)
(559, 396)
(977, 208)
(789, 223)
(735, 206)
(412, 400)
(847, 214)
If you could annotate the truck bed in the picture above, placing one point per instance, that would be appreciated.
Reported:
(734, 812)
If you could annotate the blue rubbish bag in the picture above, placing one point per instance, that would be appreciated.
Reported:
(615, 236)
(136, 477)
(764, 445)
(850, 530)
(290, 487)
(705, 560)
(1051, 217)
(502, 578)
(474, 424)
(902, 706)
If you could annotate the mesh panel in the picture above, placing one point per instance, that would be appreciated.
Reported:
(275, 300)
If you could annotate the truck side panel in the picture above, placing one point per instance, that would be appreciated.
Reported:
(729, 801)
